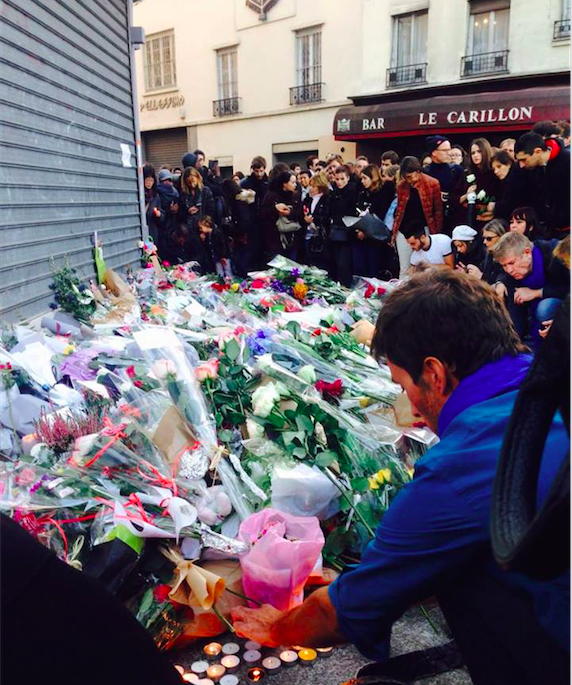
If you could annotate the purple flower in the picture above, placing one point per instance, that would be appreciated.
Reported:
(257, 341)
(278, 286)
(295, 272)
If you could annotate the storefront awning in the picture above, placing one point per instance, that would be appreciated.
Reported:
(495, 111)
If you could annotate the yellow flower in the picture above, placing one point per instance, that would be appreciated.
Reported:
(234, 287)
(383, 476)
(69, 349)
(373, 483)
(157, 310)
(411, 473)
(300, 290)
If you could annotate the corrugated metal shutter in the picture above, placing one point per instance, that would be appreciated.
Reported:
(165, 147)
(65, 109)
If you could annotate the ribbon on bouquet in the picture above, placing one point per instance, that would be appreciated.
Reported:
(112, 431)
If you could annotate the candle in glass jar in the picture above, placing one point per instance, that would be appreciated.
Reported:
(255, 675)
(230, 662)
(253, 656)
(216, 672)
(212, 650)
(271, 664)
(307, 656)
(229, 680)
(288, 657)
(199, 667)
(230, 648)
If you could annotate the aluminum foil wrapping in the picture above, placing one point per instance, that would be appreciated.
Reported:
(246, 479)
(194, 464)
(221, 543)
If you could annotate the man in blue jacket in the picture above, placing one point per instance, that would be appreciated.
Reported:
(449, 342)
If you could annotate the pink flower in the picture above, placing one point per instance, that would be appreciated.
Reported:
(130, 371)
(148, 265)
(166, 264)
(161, 593)
(258, 283)
(207, 370)
(26, 476)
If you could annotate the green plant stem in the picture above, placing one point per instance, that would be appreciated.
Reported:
(248, 599)
(354, 508)
(429, 620)
(223, 619)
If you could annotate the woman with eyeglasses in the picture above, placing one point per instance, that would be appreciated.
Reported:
(489, 270)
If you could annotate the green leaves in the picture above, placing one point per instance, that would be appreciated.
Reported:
(294, 328)
(232, 349)
(326, 458)
(304, 424)
(360, 484)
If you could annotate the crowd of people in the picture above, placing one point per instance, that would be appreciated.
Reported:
(449, 207)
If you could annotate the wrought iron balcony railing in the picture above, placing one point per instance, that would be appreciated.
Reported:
(226, 107)
(485, 63)
(300, 95)
(561, 29)
(407, 75)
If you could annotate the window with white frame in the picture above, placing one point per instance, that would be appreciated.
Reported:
(409, 39)
(227, 61)
(488, 31)
(309, 56)
(565, 10)
(159, 61)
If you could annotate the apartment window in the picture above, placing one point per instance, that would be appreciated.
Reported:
(409, 50)
(409, 39)
(227, 73)
(159, 53)
(487, 40)
(309, 57)
(562, 26)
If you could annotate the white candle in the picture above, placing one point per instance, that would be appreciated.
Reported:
(324, 652)
(271, 664)
(251, 645)
(200, 667)
(205, 681)
(231, 648)
(229, 680)
(252, 656)
(288, 657)
(191, 678)
(180, 669)
(230, 662)
(216, 672)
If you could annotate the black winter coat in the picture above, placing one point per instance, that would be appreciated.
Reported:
(260, 187)
(516, 190)
(202, 198)
(343, 203)
(321, 214)
(269, 216)
(215, 248)
(553, 182)
(377, 201)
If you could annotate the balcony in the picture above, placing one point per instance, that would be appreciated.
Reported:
(485, 63)
(561, 29)
(406, 76)
(226, 107)
(300, 95)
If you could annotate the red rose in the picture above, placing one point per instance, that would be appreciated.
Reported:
(330, 390)
(161, 592)
(369, 291)
(381, 291)
(317, 332)
(258, 283)
(138, 384)
(131, 371)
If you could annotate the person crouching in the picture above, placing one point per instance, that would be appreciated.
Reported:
(215, 249)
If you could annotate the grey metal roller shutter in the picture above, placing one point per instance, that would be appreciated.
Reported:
(165, 147)
(65, 109)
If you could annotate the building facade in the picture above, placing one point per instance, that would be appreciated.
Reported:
(286, 78)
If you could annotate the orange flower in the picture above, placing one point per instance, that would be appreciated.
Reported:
(300, 290)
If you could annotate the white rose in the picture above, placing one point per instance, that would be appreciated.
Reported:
(481, 195)
(320, 434)
(471, 178)
(307, 374)
(255, 430)
(264, 398)
(163, 368)
(140, 244)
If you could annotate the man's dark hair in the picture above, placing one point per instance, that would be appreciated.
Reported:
(305, 172)
(409, 165)
(413, 228)
(564, 127)
(546, 129)
(344, 169)
(293, 165)
(362, 157)
(528, 142)
(199, 152)
(448, 315)
(502, 157)
(310, 160)
(258, 162)
(322, 163)
(391, 155)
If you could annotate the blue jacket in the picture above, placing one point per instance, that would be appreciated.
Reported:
(440, 521)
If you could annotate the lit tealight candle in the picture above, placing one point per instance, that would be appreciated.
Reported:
(229, 680)
(200, 667)
(271, 664)
(205, 681)
(191, 678)
(180, 669)
(231, 648)
(252, 656)
(251, 645)
(212, 650)
(288, 657)
(230, 662)
(255, 675)
(307, 656)
(216, 672)
(324, 652)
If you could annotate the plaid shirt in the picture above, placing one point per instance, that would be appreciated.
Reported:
(430, 196)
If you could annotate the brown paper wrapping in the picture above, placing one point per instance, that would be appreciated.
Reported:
(119, 295)
(194, 585)
(173, 435)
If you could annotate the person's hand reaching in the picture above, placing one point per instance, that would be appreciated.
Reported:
(256, 624)
(363, 331)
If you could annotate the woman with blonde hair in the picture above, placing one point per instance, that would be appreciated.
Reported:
(196, 199)
(316, 208)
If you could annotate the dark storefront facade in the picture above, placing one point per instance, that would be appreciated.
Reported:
(494, 109)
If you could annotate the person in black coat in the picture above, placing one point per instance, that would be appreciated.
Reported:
(169, 206)
(216, 258)
(468, 247)
(258, 182)
(372, 257)
(343, 203)
(154, 215)
(240, 227)
(282, 200)
(516, 187)
(317, 218)
(196, 199)
(489, 270)
(549, 162)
